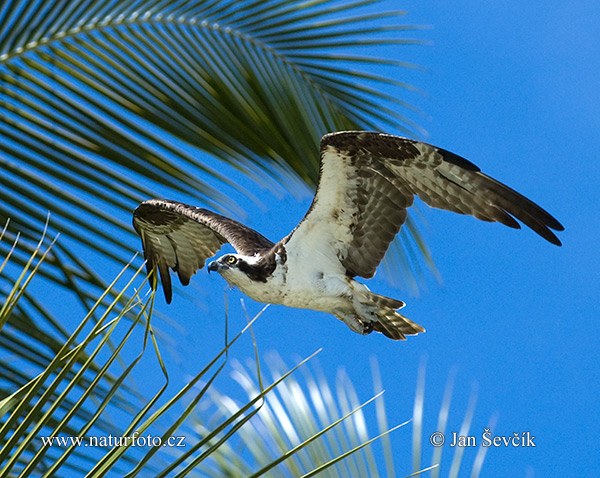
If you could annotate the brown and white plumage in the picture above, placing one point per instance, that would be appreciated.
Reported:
(367, 181)
(181, 237)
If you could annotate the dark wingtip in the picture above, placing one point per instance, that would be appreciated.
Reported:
(183, 278)
(168, 291)
(557, 226)
(556, 240)
(544, 229)
(532, 215)
(153, 276)
(550, 221)
(165, 278)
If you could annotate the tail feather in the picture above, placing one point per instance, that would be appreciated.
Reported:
(381, 301)
(395, 325)
(389, 322)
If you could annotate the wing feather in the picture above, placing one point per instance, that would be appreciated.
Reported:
(181, 237)
(368, 180)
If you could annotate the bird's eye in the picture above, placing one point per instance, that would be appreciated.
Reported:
(232, 259)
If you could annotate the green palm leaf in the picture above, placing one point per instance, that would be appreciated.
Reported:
(100, 100)
(106, 103)
(47, 409)
(288, 428)
(305, 427)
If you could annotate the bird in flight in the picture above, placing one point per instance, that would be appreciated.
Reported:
(367, 181)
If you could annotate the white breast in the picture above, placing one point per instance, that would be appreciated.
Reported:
(316, 281)
(312, 277)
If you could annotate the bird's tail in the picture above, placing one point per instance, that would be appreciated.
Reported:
(391, 323)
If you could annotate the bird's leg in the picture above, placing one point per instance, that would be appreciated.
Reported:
(368, 327)
(357, 325)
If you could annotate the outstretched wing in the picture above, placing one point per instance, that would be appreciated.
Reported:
(181, 237)
(368, 180)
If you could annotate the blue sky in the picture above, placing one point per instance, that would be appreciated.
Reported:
(513, 87)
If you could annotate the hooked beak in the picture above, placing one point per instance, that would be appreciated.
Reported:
(214, 266)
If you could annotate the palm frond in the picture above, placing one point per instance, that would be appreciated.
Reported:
(286, 428)
(30, 336)
(300, 430)
(309, 427)
(437, 440)
(104, 104)
(43, 432)
(70, 388)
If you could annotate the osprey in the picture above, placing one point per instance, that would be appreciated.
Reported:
(367, 181)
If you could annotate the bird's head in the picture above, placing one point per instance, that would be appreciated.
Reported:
(225, 264)
(237, 269)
